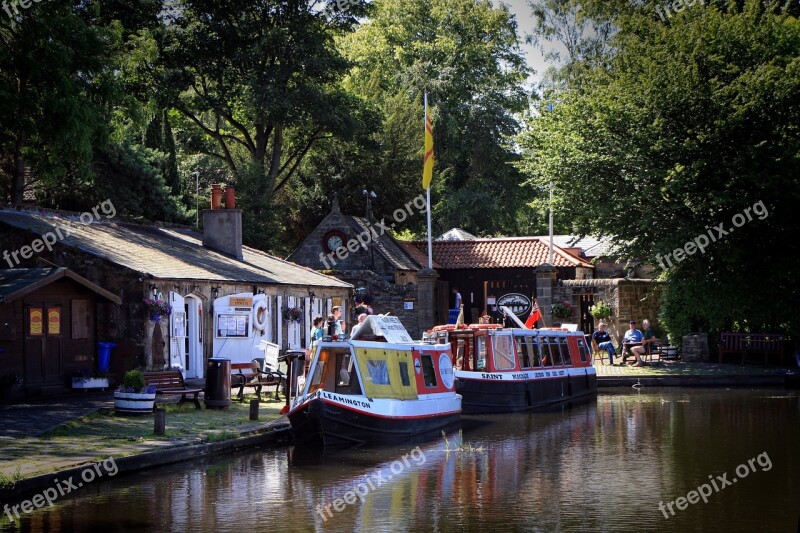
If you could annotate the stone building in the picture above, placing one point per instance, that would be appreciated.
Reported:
(187, 269)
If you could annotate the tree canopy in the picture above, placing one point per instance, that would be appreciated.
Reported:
(684, 126)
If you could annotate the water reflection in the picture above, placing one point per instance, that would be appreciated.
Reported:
(603, 467)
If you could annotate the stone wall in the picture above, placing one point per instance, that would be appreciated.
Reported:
(631, 299)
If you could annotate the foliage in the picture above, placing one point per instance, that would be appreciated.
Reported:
(562, 309)
(682, 126)
(292, 314)
(85, 375)
(157, 308)
(133, 382)
(601, 310)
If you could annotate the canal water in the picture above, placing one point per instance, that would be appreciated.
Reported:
(636, 460)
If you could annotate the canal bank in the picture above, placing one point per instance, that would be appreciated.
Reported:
(670, 373)
(34, 458)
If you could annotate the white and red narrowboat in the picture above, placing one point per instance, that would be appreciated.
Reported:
(500, 370)
(379, 387)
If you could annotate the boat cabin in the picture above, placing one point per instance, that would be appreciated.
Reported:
(492, 348)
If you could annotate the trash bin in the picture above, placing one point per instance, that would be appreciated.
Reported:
(104, 355)
(218, 383)
(452, 316)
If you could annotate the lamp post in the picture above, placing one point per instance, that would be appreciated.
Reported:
(369, 195)
(197, 199)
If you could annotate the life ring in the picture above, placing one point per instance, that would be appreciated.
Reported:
(445, 327)
(260, 317)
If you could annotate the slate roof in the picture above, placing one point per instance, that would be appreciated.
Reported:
(17, 282)
(591, 246)
(510, 252)
(385, 244)
(165, 253)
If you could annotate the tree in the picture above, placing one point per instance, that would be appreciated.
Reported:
(466, 54)
(690, 124)
(257, 80)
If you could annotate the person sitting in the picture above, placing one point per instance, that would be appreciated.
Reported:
(601, 340)
(649, 337)
(632, 335)
(361, 318)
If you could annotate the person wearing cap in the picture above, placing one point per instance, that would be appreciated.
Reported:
(633, 335)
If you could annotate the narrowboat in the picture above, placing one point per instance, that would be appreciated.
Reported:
(501, 370)
(379, 387)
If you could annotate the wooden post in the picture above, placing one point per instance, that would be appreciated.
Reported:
(160, 421)
(254, 409)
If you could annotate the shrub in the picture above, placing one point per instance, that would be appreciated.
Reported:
(134, 379)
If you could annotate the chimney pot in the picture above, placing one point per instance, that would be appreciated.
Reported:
(230, 197)
(216, 196)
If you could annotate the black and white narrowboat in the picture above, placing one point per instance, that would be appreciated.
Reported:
(501, 370)
(379, 387)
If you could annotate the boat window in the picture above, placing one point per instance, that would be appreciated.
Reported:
(460, 353)
(503, 352)
(404, 374)
(526, 346)
(582, 350)
(428, 372)
(480, 353)
(555, 354)
(565, 357)
(346, 378)
(547, 357)
(320, 378)
(378, 372)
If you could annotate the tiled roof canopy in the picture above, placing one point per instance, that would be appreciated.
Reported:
(521, 252)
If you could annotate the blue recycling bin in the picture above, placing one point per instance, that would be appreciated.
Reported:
(452, 316)
(104, 355)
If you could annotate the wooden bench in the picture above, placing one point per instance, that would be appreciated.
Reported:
(746, 344)
(250, 375)
(170, 383)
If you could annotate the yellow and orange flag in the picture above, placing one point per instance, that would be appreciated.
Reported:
(427, 168)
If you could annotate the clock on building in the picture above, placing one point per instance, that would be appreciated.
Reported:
(333, 240)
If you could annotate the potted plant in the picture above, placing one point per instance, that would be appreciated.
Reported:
(133, 396)
(562, 310)
(85, 379)
(11, 386)
(600, 310)
(156, 308)
(292, 314)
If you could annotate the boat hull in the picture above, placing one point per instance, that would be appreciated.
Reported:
(330, 424)
(484, 393)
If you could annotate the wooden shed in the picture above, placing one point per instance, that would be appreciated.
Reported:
(48, 325)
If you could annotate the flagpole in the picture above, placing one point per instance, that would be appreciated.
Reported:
(428, 192)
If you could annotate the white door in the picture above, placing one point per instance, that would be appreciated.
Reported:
(293, 329)
(195, 364)
(177, 331)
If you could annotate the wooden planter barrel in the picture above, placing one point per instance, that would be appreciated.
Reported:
(134, 403)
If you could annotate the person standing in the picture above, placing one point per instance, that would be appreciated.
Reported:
(602, 341)
(336, 311)
(458, 298)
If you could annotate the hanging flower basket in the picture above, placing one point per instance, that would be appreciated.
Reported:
(292, 314)
(157, 308)
(562, 310)
(600, 310)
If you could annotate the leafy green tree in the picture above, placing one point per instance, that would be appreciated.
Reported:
(685, 125)
(257, 80)
(466, 54)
